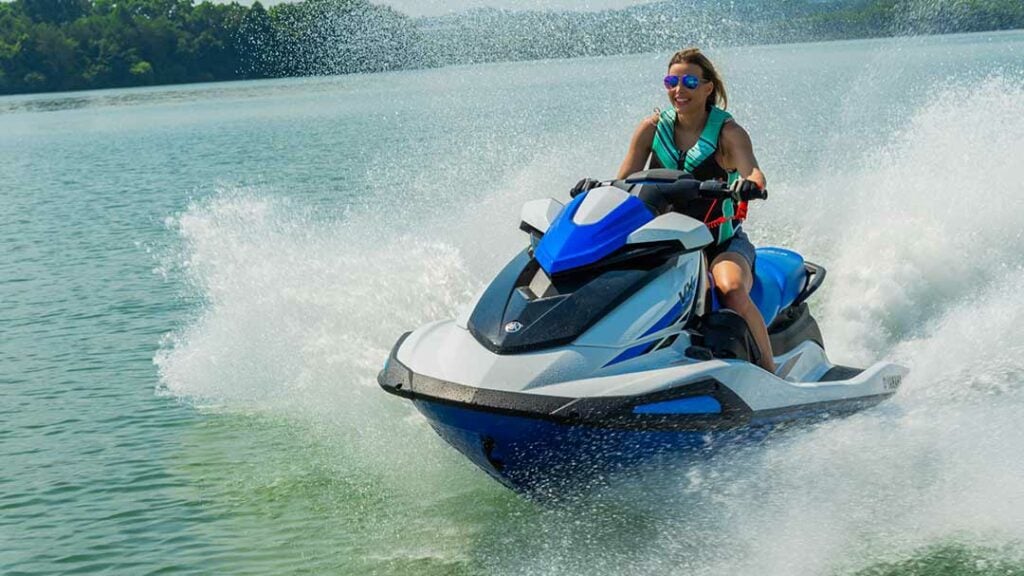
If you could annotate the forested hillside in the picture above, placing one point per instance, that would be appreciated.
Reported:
(48, 45)
(51, 45)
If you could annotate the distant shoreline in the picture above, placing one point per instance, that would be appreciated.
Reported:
(236, 83)
(52, 46)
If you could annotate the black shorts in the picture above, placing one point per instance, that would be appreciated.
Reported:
(738, 244)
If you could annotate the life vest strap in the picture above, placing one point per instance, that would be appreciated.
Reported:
(664, 148)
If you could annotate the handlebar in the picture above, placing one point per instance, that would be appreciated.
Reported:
(662, 189)
(717, 190)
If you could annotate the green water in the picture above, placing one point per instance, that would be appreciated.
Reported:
(198, 285)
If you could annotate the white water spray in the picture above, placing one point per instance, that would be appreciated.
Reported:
(922, 240)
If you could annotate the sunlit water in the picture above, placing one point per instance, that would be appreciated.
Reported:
(198, 285)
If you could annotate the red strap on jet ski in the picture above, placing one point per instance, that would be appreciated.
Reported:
(710, 210)
(741, 215)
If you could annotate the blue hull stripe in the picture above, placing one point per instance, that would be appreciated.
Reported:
(694, 405)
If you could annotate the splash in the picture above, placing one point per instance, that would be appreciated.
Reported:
(924, 250)
(922, 241)
(929, 221)
(296, 308)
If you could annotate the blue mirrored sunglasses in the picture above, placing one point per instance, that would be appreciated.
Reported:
(689, 81)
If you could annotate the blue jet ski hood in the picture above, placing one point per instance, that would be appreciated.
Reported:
(569, 244)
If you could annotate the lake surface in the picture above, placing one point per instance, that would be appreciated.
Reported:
(198, 285)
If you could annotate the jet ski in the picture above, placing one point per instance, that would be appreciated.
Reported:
(602, 345)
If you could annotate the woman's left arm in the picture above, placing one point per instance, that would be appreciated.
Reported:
(738, 153)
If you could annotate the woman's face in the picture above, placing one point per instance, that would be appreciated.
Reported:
(686, 100)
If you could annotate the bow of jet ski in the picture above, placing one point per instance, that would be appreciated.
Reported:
(601, 345)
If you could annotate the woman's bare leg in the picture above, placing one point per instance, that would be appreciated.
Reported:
(734, 280)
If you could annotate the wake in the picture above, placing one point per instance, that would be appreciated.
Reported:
(922, 240)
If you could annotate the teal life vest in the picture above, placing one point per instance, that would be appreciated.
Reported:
(721, 217)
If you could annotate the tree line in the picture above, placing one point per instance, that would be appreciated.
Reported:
(51, 45)
(54, 45)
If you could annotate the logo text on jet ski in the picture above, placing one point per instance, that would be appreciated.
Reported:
(513, 327)
(892, 382)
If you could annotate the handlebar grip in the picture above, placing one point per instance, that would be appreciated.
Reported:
(584, 185)
(716, 190)
(713, 189)
(755, 195)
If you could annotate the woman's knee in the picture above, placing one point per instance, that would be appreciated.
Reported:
(731, 287)
(731, 277)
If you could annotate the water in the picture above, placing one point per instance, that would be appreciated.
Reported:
(198, 285)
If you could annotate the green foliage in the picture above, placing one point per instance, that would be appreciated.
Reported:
(141, 69)
(48, 45)
(54, 11)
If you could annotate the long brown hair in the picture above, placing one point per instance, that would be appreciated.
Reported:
(694, 56)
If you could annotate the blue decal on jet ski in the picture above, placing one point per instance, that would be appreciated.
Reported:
(568, 245)
(715, 305)
(694, 405)
(779, 277)
(631, 353)
(666, 320)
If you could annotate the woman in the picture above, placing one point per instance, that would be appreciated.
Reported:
(697, 135)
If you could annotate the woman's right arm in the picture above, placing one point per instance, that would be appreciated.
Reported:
(639, 147)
